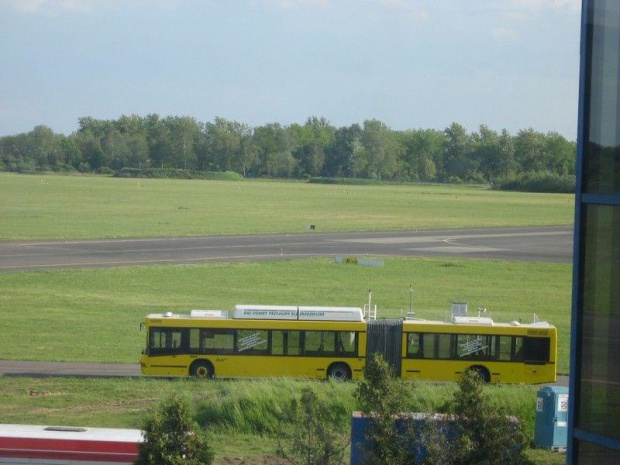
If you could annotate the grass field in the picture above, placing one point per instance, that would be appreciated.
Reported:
(78, 207)
(94, 315)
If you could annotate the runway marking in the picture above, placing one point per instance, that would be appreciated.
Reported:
(456, 249)
(159, 249)
(163, 261)
(413, 240)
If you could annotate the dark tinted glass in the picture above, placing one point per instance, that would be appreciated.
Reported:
(599, 386)
(536, 349)
(602, 142)
(592, 454)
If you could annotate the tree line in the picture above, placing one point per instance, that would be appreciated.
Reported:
(370, 150)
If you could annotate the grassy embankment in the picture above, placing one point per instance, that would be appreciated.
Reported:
(243, 417)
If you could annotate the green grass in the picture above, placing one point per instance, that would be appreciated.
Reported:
(79, 207)
(241, 423)
(94, 315)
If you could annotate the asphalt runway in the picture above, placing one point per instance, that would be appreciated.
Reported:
(95, 370)
(544, 244)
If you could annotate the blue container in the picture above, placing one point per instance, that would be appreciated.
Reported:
(551, 417)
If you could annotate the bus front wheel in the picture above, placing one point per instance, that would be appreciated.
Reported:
(202, 370)
(339, 372)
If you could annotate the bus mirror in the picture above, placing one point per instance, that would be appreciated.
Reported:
(141, 326)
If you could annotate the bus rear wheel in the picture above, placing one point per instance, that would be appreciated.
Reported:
(339, 372)
(482, 372)
(202, 370)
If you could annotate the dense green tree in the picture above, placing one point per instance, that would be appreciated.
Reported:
(310, 434)
(561, 154)
(114, 145)
(485, 435)
(506, 162)
(530, 151)
(339, 152)
(457, 162)
(172, 437)
(71, 152)
(382, 150)
(183, 133)
(226, 146)
(421, 148)
(382, 397)
(137, 152)
(273, 145)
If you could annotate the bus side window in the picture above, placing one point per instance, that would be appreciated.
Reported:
(536, 349)
(428, 345)
(194, 340)
(320, 342)
(345, 343)
(278, 339)
(252, 341)
(165, 341)
(293, 343)
(518, 349)
(444, 345)
(505, 348)
(414, 346)
(216, 341)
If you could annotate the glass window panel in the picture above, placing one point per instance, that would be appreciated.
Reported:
(599, 384)
(166, 341)
(320, 342)
(346, 343)
(518, 352)
(252, 341)
(472, 346)
(293, 344)
(277, 342)
(429, 345)
(218, 341)
(593, 454)
(194, 340)
(505, 348)
(536, 349)
(602, 144)
(444, 346)
(414, 346)
(158, 338)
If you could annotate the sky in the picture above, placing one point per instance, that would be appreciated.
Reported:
(508, 64)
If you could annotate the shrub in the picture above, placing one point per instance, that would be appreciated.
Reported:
(105, 170)
(346, 181)
(311, 435)
(174, 173)
(382, 398)
(484, 433)
(541, 181)
(171, 437)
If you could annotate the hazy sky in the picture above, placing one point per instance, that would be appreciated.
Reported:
(410, 63)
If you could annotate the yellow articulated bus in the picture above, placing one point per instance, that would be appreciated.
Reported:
(334, 342)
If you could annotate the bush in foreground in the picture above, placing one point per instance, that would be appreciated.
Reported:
(171, 437)
(312, 434)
